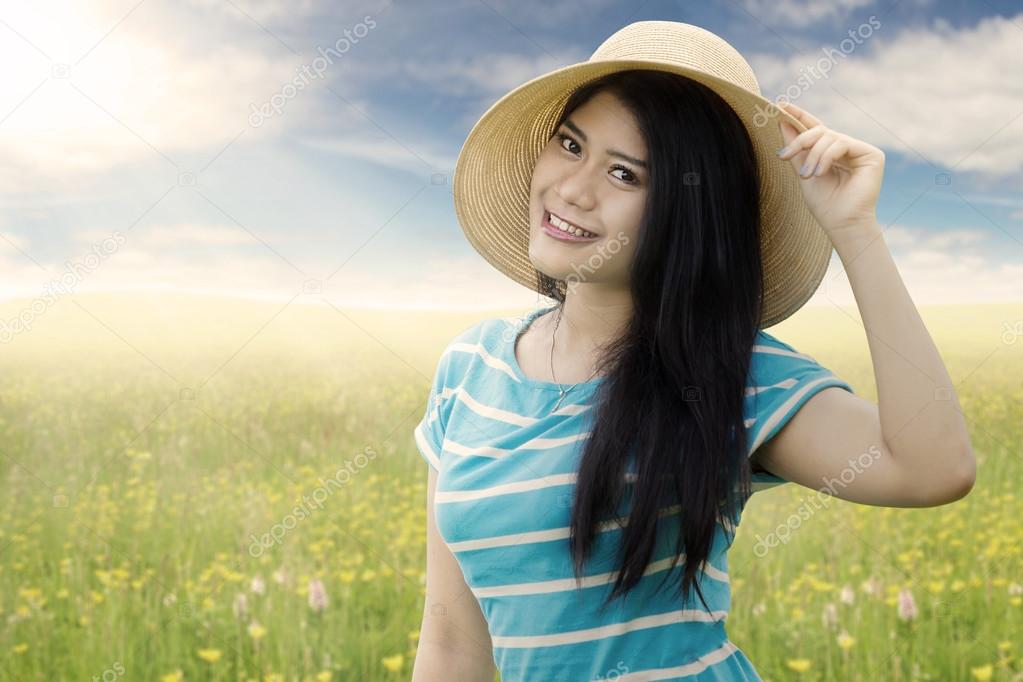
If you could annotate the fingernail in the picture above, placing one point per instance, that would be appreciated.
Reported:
(817, 170)
(802, 170)
(780, 151)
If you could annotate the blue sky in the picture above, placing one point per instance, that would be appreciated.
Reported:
(131, 124)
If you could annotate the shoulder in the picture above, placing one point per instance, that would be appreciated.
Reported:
(480, 340)
(770, 346)
(487, 334)
(773, 359)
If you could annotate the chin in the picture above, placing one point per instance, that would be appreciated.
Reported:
(550, 263)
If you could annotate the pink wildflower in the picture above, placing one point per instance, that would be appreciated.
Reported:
(907, 607)
(317, 595)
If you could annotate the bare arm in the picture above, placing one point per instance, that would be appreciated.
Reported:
(913, 448)
(454, 642)
(920, 415)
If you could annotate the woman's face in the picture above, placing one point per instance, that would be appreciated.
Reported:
(592, 174)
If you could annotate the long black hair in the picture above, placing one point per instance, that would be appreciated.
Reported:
(674, 381)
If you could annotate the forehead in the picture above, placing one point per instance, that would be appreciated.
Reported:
(605, 119)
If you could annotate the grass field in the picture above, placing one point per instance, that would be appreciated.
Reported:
(149, 442)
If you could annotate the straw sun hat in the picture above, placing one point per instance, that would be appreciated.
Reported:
(493, 171)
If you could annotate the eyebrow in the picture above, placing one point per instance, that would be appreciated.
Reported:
(613, 152)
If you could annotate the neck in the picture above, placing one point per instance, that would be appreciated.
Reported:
(592, 316)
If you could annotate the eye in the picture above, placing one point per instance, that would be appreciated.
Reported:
(631, 179)
(562, 137)
(628, 172)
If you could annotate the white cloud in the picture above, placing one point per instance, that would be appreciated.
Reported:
(936, 267)
(383, 151)
(547, 14)
(176, 235)
(487, 73)
(139, 93)
(938, 94)
(800, 13)
(9, 240)
(899, 237)
(262, 11)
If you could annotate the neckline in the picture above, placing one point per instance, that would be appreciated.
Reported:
(578, 389)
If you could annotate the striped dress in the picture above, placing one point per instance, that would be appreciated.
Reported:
(506, 477)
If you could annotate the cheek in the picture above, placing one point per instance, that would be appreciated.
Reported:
(541, 169)
(630, 216)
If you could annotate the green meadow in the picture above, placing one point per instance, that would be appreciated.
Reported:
(222, 489)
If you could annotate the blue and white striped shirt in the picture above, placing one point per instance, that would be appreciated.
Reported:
(506, 476)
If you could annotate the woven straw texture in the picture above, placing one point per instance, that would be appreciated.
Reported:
(494, 167)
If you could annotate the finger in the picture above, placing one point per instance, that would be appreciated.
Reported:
(796, 149)
(831, 154)
(803, 140)
(815, 154)
(804, 117)
(788, 132)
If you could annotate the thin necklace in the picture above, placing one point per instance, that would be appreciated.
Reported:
(561, 390)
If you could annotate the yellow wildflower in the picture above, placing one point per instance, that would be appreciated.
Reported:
(983, 673)
(393, 663)
(800, 665)
(176, 676)
(209, 655)
(324, 676)
(20, 648)
(256, 631)
(845, 640)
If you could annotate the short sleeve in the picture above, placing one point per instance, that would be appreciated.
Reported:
(429, 433)
(781, 381)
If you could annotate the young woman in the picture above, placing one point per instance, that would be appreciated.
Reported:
(590, 456)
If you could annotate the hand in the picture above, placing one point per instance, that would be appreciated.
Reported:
(843, 197)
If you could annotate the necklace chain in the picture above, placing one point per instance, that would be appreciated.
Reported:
(562, 391)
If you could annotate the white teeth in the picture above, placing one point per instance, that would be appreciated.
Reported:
(567, 227)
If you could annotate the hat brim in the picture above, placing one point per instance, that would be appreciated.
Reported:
(494, 168)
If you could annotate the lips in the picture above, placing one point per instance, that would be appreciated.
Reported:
(552, 230)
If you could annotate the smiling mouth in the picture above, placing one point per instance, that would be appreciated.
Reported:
(561, 229)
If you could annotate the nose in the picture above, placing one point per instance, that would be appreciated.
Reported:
(575, 187)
